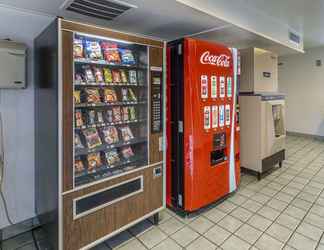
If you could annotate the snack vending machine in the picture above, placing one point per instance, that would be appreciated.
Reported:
(99, 133)
(202, 127)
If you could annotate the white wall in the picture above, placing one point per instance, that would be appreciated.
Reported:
(303, 83)
(17, 108)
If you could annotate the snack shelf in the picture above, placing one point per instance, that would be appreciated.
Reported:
(105, 63)
(103, 84)
(102, 104)
(110, 124)
(105, 171)
(104, 147)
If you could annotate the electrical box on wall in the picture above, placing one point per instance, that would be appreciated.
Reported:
(12, 65)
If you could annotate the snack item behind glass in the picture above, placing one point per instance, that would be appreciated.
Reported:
(98, 75)
(88, 74)
(100, 118)
(132, 113)
(78, 166)
(78, 48)
(141, 77)
(109, 115)
(131, 95)
(93, 95)
(112, 157)
(77, 141)
(126, 133)
(132, 76)
(93, 50)
(125, 114)
(116, 76)
(124, 94)
(91, 115)
(78, 118)
(110, 135)
(77, 96)
(123, 76)
(127, 56)
(78, 78)
(127, 152)
(110, 95)
(92, 138)
(111, 53)
(94, 161)
(116, 114)
(107, 75)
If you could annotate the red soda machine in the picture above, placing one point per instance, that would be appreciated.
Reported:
(202, 123)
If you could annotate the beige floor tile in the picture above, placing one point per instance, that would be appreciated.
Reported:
(305, 205)
(217, 235)
(301, 242)
(171, 226)
(290, 191)
(301, 180)
(275, 186)
(266, 242)
(246, 192)
(230, 223)
(284, 197)
(259, 222)
(237, 199)
(202, 244)
(248, 233)
(277, 204)
(152, 237)
(296, 185)
(269, 213)
(163, 216)
(268, 191)
(133, 245)
(261, 198)
(320, 247)
(287, 221)
(185, 236)
(312, 190)
(316, 209)
(242, 214)
(226, 206)
(252, 205)
(215, 215)
(295, 212)
(279, 232)
(310, 231)
(307, 197)
(320, 201)
(167, 244)
(234, 243)
(201, 225)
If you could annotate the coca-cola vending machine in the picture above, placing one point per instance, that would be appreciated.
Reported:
(202, 123)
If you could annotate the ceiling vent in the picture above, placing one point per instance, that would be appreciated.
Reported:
(103, 9)
(294, 38)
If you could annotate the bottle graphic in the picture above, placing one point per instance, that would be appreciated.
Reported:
(204, 86)
(214, 86)
(222, 87)
(214, 116)
(221, 116)
(228, 115)
(229, 86)
(207, 117)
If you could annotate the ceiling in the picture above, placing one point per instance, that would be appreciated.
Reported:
(170, 19)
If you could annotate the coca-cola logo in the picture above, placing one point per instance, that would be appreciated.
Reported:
(217, 60)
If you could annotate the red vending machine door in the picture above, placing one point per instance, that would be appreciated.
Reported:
(209, 123)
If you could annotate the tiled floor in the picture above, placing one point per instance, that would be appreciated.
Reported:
(285, 210)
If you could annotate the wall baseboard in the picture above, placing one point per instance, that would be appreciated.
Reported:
(310, 136)
(19, 228)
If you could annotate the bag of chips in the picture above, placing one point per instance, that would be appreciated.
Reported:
(110, 135)
(111, 53)
(112, 157)
(100, 118)
(107, 75)
(77, 96)
(132, 113)
(94, 161)
(77, 141)
(91, 115)
(77, 48)
(93, 50)
(124, 93)
(92, 137)
(126, 133)
(109, 116)
(125, 114)
(78, 78)
(78, 118)
(116, 76)
(98, 75)
(116, 114)
(132, 76)
(123, 76)
(78, 166)
(93, 95)
(131, 95)
(110, 95)
(127, 56)
(127, 152)
(88, 74)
